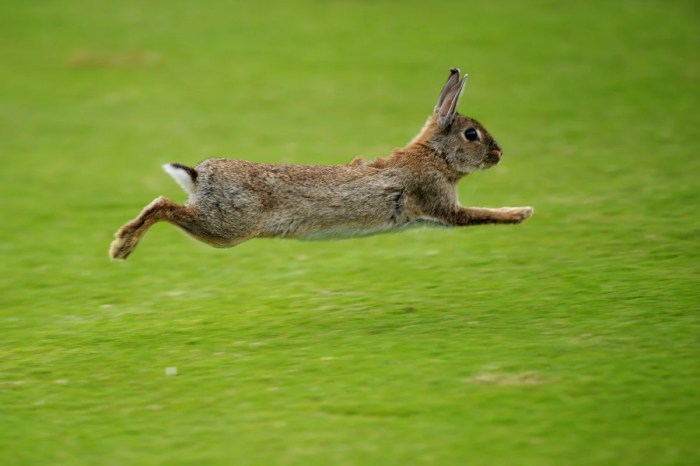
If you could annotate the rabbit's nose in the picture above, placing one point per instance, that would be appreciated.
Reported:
(496, 147)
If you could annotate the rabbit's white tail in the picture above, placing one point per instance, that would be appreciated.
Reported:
(184, 176)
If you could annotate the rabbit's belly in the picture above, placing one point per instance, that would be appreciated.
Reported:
(341, 233)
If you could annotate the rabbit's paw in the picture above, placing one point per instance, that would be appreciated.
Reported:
(120, 249)
(517, 214)
(124, 244)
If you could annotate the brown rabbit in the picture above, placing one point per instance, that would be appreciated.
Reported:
(231, 201)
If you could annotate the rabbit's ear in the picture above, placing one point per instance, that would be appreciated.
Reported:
(446, 106)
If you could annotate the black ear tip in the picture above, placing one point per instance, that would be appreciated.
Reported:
(454, 70)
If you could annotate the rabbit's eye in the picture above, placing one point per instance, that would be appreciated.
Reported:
(471, 134)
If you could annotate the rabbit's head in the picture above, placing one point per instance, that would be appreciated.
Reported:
(462, 141)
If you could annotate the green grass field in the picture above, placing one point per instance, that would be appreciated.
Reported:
(572, 339)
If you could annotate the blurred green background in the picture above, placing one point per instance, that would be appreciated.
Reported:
(570, 339)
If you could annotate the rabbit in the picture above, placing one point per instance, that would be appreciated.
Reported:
(231, 201)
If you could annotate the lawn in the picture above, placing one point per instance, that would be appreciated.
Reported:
(572, 339)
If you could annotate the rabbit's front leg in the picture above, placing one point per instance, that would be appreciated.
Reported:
(465, 216)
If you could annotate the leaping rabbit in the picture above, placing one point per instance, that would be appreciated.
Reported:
(231, 201)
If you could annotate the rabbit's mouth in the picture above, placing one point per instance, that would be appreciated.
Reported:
(492, 158)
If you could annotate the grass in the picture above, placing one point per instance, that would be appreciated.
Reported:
(571, 339)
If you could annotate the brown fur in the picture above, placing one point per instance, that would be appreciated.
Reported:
(235, 200)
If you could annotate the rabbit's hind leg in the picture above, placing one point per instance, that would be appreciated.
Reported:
(162, 208)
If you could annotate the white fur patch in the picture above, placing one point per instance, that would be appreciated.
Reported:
(181, 177)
